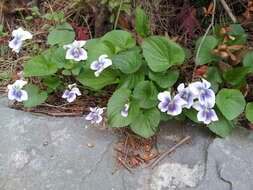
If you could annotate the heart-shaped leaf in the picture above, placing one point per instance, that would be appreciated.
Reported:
(34, 96)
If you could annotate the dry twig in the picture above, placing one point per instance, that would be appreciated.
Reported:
(228, 10)
(167, 152)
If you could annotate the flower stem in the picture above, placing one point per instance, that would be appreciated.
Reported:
(117, 17)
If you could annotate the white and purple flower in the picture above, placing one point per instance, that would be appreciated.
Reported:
(205, 112)
(99, 65)
(202, 92)
(15, 91)
(186, 94)
(70, 95)
(95, 115)
(124, 111)
(75, 51)
(173, 106)
(19, 36)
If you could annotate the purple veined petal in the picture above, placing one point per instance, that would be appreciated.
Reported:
(164, 96)
(174, 109)
(11, 94)
(163, 106)
(206, 83)
(71, 97)
(187, 96)
(207, 97)
(69, 54)
(65, 94)
(179, 100)
(124, 111)
(76, 91)
(195, 87)
(20, 95)
(95, 65)
(214, 116)
(180, 87)
(99, 118)
(15, 45)
(82, 54)
(90, 116)
(102, 57)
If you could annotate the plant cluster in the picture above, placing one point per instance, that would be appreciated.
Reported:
(145, 74)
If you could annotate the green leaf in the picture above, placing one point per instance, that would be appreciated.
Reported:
(249, 112)
(128, 61)
(248, 60)
(52, 82)
(236, 76)
(34, 96)
(121, 40)
(222, 127)
(161, 53)
(146, 123)
(141, 22)
(131, 80)
(146, 93)
(231, 103)
(66, 72)
(61, 35)
(239, 33)
(205, 53)
(40, 66)
(116, 103)
(166, 79)
(87, 78)
(214, 77)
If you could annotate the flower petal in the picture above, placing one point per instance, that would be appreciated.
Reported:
(20, 83)
(174, 109)
(71, 97)
(11, 94)
(15, 45)
(65, 94)
(95, 65)
(206, 83)
(90, 116)
(180, 87)
(195, 87)
(76, 91)
(24, 96)
(102, 57)
(207, 97)
(107, 63)
(164, 96)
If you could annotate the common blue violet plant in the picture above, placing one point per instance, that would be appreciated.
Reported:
(95, 115)
(15, 91)
(75, 51)
(70, 94)
(99, 65)
(124, 111)
(20, 36)
(139, 73)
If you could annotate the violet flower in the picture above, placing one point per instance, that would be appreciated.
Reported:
(95, 115)
(19, 36)
(75, 51)
(173, 106)
(99, 65)
(205, 112)
(186, 94)
(70, 95)
(15, 91)
(202, 92)
(124, 111)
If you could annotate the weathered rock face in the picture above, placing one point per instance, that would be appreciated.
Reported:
(40, 153)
